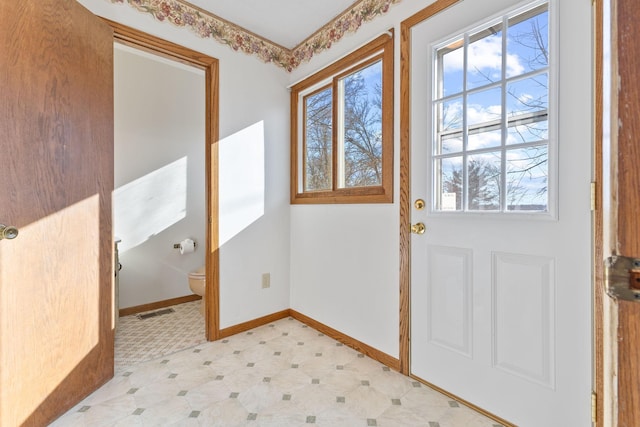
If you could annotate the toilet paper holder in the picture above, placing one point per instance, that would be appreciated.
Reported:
(177, 245)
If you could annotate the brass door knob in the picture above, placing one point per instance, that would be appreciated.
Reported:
(418, 228)
(8, 232)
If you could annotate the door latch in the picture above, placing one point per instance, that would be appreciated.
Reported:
(622, 278)
(8, 232)
(418, 228)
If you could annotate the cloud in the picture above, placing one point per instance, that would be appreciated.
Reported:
(476, 113)
(525, 98)
(482, 114)
(485, 56)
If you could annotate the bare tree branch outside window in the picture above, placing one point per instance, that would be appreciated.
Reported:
(361, 132)
(318, 141)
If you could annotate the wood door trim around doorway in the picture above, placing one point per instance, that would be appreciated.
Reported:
(625, 195)
(599, 293)
(140, 40)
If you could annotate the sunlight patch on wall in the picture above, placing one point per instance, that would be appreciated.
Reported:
(241, 174)
(150, 204)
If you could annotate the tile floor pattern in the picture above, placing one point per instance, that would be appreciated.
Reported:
(141, 340)
(281, 374)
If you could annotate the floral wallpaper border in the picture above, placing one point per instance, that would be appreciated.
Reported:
(348, 22)
(205, 24)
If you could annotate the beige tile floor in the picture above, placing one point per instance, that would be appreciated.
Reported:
(281, 374)
(141, 340)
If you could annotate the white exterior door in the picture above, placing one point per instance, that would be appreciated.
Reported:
(501, 154)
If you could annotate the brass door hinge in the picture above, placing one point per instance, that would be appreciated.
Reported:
(622, 278)
(594, 407)
(593, 196)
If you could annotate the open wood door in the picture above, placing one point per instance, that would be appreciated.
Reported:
(56, 134)
(626, 196)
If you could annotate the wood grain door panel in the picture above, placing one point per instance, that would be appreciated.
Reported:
(56, 131)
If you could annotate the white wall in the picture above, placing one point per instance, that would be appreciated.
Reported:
(159, 173)
(345, 259)
(252, 94)
(342, 261)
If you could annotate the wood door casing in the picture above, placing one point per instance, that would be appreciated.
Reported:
(599, 295)
(626, 195)
(157, 46)
(56, 131)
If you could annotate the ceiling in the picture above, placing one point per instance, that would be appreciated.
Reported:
(285, 22)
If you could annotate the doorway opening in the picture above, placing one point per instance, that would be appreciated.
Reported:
(176, 186)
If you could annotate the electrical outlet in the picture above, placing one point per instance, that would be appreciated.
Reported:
(266, 280)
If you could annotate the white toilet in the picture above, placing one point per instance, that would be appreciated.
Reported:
(197, 284)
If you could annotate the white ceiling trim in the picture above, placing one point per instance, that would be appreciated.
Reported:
(207, 25)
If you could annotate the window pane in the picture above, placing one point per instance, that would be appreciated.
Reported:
(527, 96)
(484, 137)
(484, 108)
(449, 143)
(527, 109)
(528, 42)
(527, 172)
(531, 131)
(449, 184)
(361, 134)
(484, 57)
(484, 181)
(449, 115)
(451, 68)
(449, 124)
(318, 141)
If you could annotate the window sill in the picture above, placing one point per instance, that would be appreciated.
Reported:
(344, 196)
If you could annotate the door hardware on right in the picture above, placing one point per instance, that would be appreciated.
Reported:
(419, 204)
(622, 278)
(8, 232)
(418, 228)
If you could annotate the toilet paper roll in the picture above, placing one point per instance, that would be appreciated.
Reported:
(187, 246)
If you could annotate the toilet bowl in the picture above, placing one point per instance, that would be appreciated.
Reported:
(197, 284)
